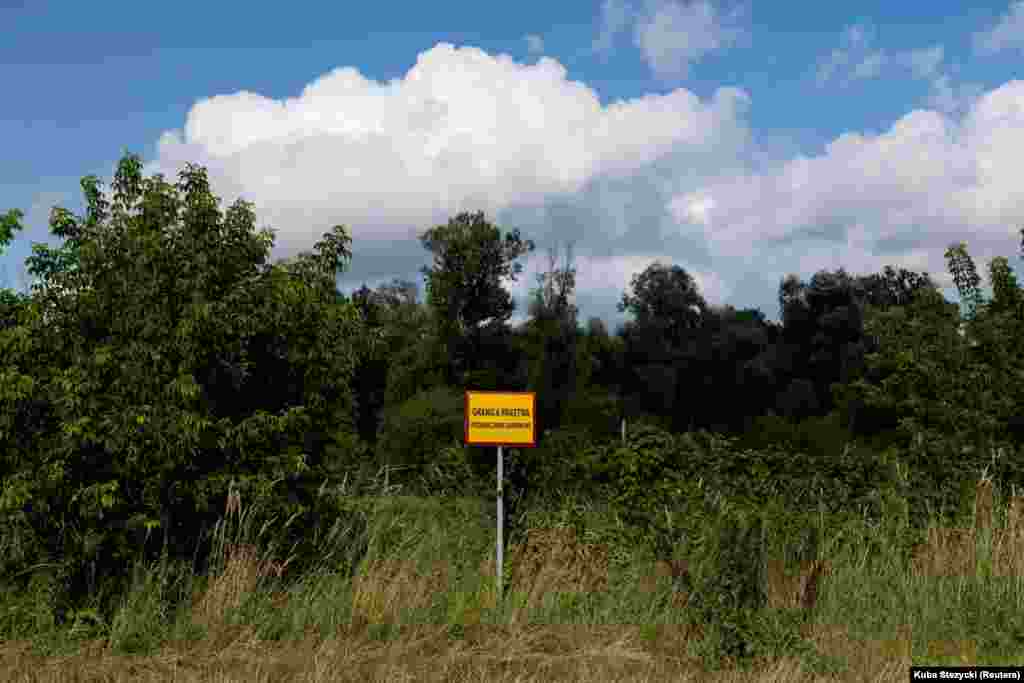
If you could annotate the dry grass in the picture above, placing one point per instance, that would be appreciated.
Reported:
(673, 572)
(387, 587)
(795, 590)
(550, 561)
(954, 551)
(243, 571)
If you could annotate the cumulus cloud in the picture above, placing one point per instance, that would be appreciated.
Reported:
(534, 44)
(462, 130)
(905, 194)
(672, 177)
(1006, 34)
(461, 127)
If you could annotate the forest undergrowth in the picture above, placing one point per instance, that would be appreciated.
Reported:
(407, 592)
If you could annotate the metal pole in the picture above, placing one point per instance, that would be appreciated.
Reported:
(501, 522)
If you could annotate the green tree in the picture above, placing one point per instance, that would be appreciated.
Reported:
(465, 284)
(892, 287)
(668, 311)
(666, 299)
(949, 382)
(823, 321)
(553, 337)
(173, 361)
(1006, 292)
(397, 322)
(410, 351)
(714, 392)
(10, 223)
(11, 302)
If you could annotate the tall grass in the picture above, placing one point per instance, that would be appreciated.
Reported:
(580, 603)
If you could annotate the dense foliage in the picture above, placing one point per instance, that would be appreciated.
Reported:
(160, 360)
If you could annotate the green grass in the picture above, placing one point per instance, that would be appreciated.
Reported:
(581, 603)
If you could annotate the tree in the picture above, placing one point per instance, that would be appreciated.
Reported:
(10, 301)
(396, 321)
(1007, 296)
(992, 330)
(950, 398)
(668, 312)
(551, 301)
(604, 352)
(173, 361)
(823, 329)
(715, 392)
(464, 285)
(10, 223)
(892, 287)
(553, 337)
(965, 277)
(666, 299)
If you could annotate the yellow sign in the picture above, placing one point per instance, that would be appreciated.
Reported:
(495, 418)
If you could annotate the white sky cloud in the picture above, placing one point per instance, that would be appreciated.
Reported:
(1006, 34)
(462, 130)
(673, 35)
(854, 59)
(905, 194)
(952, 96)
(660, 177)
(870, 66)
(925, 62)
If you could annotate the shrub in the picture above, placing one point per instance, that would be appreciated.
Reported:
(640, 478)
(727, 580)
(128, 406)
(769, 430)
(415, 432)
(598, 414)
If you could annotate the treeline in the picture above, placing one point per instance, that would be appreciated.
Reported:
(161, 360)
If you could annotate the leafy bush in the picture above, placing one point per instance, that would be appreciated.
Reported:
(416, 431)
(560, 459)
(639, 478)
(162, 360)
(727, 580)
(767, 431)
(597, 414)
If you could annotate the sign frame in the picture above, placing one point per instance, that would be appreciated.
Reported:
(508, 444)
(500, 544)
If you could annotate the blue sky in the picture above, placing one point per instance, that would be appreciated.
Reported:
(741, 142)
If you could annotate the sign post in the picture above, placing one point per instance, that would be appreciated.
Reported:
(496, 418)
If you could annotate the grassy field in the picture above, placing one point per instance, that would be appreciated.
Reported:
(421, 606)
